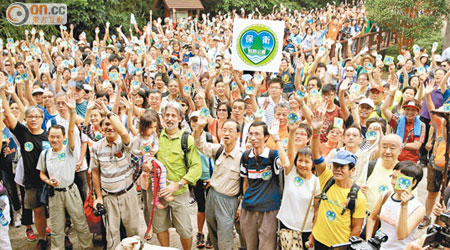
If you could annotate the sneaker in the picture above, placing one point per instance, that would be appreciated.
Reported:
(30, 235)
(41, 245)
(48, 231)
(425, 222)
(67, 244)
(208, 244)
(200, 240)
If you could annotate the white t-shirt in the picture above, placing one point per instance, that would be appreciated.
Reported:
(59, 165)
(296, 197)
(390, 212)
(78, 139)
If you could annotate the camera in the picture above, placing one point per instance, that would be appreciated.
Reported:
(100, 210)
(437, 235)
(358, 244)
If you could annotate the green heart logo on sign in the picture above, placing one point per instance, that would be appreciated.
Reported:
(257, 45)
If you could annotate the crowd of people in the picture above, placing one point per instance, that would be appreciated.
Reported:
(332, 145)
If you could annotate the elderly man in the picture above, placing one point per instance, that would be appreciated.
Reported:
(172, 155)
(222, 200)
(377, 178)
(113, 179)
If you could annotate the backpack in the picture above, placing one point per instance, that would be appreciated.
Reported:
(352, 196)
(185, 148)
(437, 158)
(244, 161)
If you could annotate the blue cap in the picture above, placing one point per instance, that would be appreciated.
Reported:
(344, 157)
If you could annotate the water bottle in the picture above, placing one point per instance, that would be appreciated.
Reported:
(3, 221)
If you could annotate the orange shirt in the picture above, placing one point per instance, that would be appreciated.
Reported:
(333, 31)
(284, 135)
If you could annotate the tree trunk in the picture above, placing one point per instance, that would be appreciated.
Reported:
(446, 42)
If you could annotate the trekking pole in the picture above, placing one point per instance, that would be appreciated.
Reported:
(445, 115)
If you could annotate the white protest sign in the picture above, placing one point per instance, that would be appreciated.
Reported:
(257, 45)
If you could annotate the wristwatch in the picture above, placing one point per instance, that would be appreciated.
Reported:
(180, 185)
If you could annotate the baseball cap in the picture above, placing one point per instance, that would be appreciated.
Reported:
(194, 114)
(110, 46)
(344, 157)
(87, 87)
(377, 87)
(216, 38)
(79, 85)
(368, 102)
(411, 104)
(37, 91)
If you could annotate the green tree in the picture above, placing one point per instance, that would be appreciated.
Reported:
(413, 19)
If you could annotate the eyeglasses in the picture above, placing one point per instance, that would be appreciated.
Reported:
(337, 165)
(221, 110)
(35, 117)
(349, 70)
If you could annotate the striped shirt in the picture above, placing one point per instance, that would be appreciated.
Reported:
(263, 192)
(114, 163)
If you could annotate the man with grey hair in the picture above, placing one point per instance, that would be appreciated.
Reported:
(183, 167)
(33, 139)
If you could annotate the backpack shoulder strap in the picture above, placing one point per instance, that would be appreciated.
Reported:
(325, 189)
(219, 152)
(208, 137)
(351, 199)
(371, 167)
(185, 148)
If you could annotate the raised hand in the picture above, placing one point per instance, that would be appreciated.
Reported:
(70, 101)
(91, 103)
(317, 120)
(431, 86)
(345, 85)
(273, 130)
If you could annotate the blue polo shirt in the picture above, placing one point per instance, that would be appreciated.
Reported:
(263, 193)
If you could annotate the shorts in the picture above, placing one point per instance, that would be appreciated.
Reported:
(434, 179)
(32, 198)
(176, 214)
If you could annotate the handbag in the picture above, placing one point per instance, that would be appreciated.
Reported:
(94, 222)
(44, 193)
(292, 239)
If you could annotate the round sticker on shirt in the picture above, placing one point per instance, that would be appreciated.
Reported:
(331, 216)
(29, 146)
(62, 156)
(146, 148)
(266, 174)
(4, 137)
(98, 135)
(382, 188)
(298, 181)
(65, 142)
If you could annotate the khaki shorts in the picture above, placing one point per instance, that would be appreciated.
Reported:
(176, 214)
(32, 198)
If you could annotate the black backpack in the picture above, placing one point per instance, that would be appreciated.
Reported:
(352, 196)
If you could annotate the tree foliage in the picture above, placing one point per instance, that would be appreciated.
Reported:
(411, 18)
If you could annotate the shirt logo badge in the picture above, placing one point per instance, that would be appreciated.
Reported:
(331, 216)
(146, 148)
(29, 146)
(382, 188)
(298, 181)
(266, 174)
(62, 156)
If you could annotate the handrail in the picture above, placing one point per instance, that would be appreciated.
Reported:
(379, 36)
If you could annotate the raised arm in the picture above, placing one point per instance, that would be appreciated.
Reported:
(11, 120)
(385, 106)
(342, 88)
(317, 124)
(71, 104)
(291, 147)
(273, 131)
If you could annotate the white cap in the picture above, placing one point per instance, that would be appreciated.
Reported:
(368, 102)
(37, 91)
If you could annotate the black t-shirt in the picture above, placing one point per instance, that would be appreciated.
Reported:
(31, 147)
